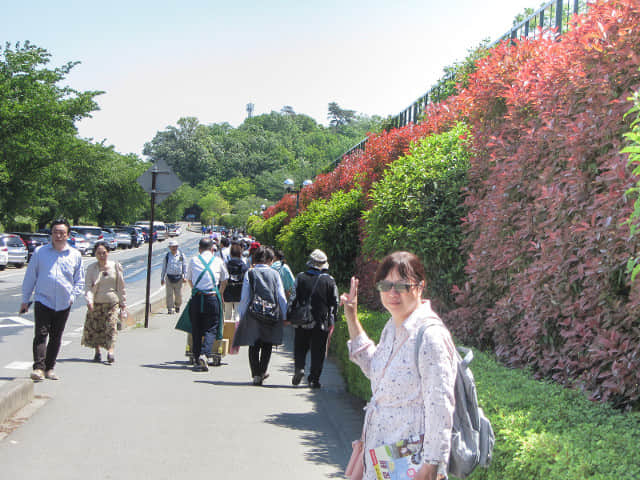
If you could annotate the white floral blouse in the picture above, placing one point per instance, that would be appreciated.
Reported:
(405, 403)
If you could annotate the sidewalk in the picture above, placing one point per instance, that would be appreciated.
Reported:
(149, 416)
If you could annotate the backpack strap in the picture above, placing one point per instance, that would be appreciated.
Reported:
(466, 354)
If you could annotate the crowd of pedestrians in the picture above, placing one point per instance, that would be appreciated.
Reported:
(252, 286)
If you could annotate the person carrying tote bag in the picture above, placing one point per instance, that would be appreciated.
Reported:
(262, 292)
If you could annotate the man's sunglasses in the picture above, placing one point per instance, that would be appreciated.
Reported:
(400, 287)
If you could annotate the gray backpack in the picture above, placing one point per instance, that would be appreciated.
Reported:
(472, 437)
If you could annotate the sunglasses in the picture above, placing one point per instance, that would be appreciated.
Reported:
(400, 287)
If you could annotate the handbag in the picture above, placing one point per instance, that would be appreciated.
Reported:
(300, 311)
(184, 322)
(262, 309)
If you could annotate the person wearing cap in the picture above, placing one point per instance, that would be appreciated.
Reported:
(324, 306)
(174, 275)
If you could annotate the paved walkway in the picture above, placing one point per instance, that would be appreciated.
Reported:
(148, 416)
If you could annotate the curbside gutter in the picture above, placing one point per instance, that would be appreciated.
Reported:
(14, 395)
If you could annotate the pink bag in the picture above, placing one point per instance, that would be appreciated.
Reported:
(355, 467)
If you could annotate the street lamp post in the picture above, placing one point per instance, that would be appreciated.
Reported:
(289, 184)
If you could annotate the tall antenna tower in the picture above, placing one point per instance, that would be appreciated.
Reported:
(250, 110)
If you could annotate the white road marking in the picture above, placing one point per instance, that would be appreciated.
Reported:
(65, 343)
(73, 334)
(19, 365)
(17, 320)
(79, 329)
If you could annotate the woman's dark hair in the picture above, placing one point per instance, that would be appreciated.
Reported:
(279, 255)
(101, 243)
(235, 250)
(408, 265)
(262, 254)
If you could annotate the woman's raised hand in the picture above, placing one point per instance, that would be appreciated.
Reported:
(350, 300)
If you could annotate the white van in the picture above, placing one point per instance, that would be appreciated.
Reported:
(159, 227)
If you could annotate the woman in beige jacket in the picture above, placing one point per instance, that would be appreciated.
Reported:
(106, 301)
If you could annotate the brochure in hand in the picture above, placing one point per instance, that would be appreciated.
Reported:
(398, 461)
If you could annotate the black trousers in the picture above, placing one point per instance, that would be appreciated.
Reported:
(204, 311)
(49, 323)
(316, 340)
(259, 356)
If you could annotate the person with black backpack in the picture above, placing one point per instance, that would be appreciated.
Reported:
(312, 312)
(174, 274)
(262, 309)
(236, 267)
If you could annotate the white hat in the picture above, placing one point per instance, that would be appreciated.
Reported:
(173, 243)
(318, 259)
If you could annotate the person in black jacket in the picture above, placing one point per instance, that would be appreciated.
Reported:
(324, 306)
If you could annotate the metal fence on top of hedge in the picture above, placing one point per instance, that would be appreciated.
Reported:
(553, 18)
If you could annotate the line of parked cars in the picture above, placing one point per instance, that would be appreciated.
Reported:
(16, 248)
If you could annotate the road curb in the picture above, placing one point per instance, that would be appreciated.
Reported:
(13, 396)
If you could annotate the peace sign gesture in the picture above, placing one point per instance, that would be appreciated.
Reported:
(350, 300)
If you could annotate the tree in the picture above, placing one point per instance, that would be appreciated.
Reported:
(213, 206)
(187, 149)
(37, 126)
(339, 117)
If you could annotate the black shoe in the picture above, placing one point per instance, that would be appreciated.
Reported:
(314, 384)
(297, 377)
(177, 310)
(97, 357)
(257, 380)
(110, 358)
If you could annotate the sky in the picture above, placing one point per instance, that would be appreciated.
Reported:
(158, 61)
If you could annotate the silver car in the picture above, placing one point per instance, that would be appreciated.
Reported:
(110, 239)
(4, 257)
(91, 234)
(16, 249)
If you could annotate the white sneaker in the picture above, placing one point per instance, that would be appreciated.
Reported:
(203, 362)
(37, 375)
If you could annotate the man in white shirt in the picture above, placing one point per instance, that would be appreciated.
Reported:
(207, 276)
(56, 275)
(174, 269)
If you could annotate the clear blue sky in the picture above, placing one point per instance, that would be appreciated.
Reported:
(161, 60)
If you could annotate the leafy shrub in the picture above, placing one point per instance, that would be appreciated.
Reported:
(633, 149)
(544, 232)
(417, 206)
(271, 227)
(330, 225)
(542, 430)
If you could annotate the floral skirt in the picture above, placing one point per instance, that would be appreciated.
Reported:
(101, 326)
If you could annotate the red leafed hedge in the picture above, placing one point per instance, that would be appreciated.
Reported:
(547, 244)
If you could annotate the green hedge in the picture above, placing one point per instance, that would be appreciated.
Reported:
(330, 225)
(418, 206)
(542, 429)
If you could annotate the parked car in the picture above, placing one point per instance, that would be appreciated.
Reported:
(4, 258)
(173, 229)
(32, 241)
(78, 242)
(139, 236)
(15, 248)
(90, 233)
(124, 238)
(145, 230)
(110, 239)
